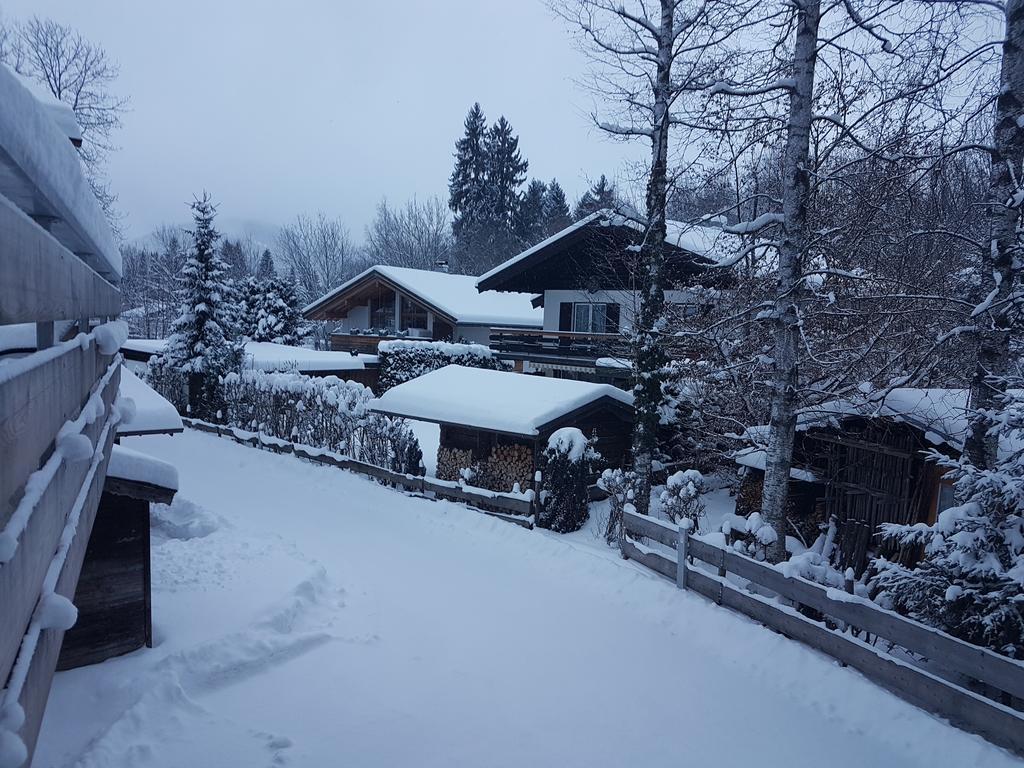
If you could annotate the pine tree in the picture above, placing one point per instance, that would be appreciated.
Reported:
(272, 311)
(971, 578)
(202, 343)
(600, 196)
(467, 194)
(556, 209)
(265, 269)
(506, 172)
(529, 219)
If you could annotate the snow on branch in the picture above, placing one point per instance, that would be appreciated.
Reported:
(785, 84)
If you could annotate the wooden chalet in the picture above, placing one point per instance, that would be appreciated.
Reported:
(387, 302)
(584, 278)
(865, 464)
(500, 421)
(59, 373)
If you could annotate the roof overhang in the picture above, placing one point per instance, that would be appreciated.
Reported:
(319, 309)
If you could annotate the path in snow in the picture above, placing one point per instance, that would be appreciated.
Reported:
(308, 617)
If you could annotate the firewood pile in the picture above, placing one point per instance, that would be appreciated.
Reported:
(506, 466)
(450, 461)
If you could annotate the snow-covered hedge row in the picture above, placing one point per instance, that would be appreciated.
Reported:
(322, 412)
(403, 360)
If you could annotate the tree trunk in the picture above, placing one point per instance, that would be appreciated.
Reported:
(988, 384)
(792, 250)
(649, 358)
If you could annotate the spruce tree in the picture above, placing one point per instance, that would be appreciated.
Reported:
(467, 195)
(600, 196)
(556, 209)
(529, 219)
(202, 344)
(265, 269)
(506, 172)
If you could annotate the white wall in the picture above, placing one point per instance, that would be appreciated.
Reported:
(475, 334)
(627, 301)
(358, 317)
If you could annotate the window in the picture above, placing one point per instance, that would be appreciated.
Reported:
(382, 310)
(413, 315)
(595, 318)
(947, 497)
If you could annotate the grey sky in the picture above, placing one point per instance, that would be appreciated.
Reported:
(283, 108)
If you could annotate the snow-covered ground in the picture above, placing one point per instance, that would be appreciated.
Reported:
(306, 616)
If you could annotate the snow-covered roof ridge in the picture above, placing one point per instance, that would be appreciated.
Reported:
(43, 176)
(454, 295)
(501, 401)
(703, 240)
(126, 464)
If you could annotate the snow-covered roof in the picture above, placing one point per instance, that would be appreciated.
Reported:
(453, 295)
(267, 356)
(702, 240)
(757, 458)
(126, 464)
(152, 412)
(501, 401)
(41, 173)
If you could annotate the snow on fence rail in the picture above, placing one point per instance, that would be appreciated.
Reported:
(966, 709)
(515, 508)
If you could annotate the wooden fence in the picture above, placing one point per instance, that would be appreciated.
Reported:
(964, 708)
(513, 508)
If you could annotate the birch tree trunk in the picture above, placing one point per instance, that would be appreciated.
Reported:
(792, 249)
(988, 384)
(649, 358)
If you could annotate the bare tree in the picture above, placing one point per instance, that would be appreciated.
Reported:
(418, 235)
(79, 73)
(319, 252)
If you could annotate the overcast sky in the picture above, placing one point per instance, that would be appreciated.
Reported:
(283, 108)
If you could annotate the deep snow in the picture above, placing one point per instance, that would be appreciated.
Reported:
(306, 616)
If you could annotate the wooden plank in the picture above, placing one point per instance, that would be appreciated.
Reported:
(965, 709)
(135, 489)
(21, 578)
(664, 533)
(43, 280)
(33, 406)
(944, 650)
(656, 562)
(44, 661)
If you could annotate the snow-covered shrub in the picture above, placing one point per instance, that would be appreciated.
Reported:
(568, 464)
(324, 412)
(403, 360)
(970, 581)
(620, 485)
(271, 311)
(753, 536)
(681, 497)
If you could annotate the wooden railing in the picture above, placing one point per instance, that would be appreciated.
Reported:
(965, 708)
(514, 508)
(562, 344)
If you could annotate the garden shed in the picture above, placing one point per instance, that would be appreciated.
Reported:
(496, 423)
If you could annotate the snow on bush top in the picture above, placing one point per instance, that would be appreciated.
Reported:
(570, 441)
(441, 347)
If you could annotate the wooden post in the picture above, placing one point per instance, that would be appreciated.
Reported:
(682, 537)
(44, 335)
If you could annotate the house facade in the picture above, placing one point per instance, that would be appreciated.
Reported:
(584, 279)
(385, 302)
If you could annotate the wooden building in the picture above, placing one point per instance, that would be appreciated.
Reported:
(498, 422)
(386, 303)
(59, 272)
(864, 464)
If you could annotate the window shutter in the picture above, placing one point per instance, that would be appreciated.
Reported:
(565, 316)
(612, 315)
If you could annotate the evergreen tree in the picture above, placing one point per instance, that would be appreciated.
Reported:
(529, 219)
(272, 311)
(556, 209)
(971, 578)
(467, 193)
(265, 269)
(234, 258)
(600, 196)
(506, 172)
(202, 343)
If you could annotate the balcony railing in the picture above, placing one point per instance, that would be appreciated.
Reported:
(367, 342)
(562, 345)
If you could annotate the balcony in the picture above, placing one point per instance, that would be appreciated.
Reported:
(559, 347)
(366, 342)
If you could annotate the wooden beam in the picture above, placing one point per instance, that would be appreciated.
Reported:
(44, 281)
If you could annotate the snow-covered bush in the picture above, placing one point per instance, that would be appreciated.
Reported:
(681, 497)
(620, 485)
(403, 360)
(753, 536)
(970, 580)
(568, 464)
(322, 412)
(271, 311)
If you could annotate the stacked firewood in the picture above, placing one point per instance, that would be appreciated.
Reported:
(451, 461)
(508, 465)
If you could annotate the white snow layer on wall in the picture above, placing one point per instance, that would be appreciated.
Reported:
(456, 296)
(127, 464)
(42, 151)
(152, 412)
(495, 400)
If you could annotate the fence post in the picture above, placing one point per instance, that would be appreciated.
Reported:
(682, 538)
